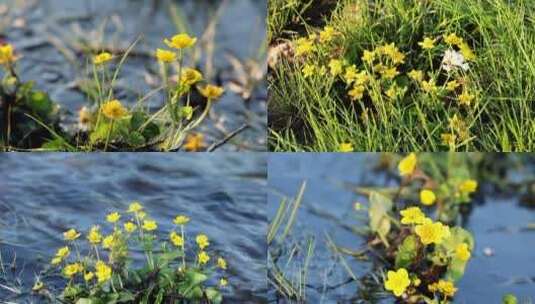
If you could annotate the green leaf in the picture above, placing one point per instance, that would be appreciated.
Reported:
(213, 295)
(40, 104)
(84, 301)
(380, 205)
(137, 120)
(407, 252)
(456, 266)
(151, 131)
(136, 139)
(195, 278)
(125, 296)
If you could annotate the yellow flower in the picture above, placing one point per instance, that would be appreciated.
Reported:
(362, 78)
(327, 34)
(445, 287)
(149, 225)
(194, 142)
(94, 237)
(392, 91)
(165, 56)
(221, 263)
(388, 49)
(130, 227)
(63, 252)
(453, 39)
(351, 74)
(390, 73)
(452, 85)
(466, 51)
(462, 252)
(180, 41)
(429, 86)
(6, 54)
(368, 57)
(468, 186)
(397, 57)
(308, 70)
(465, 98)
(71, 235)
(103, 272)
(102, 58)
(176, 239)
(88, 276)
(427, 44)
(211, 92)
(181, 220)
(113, 217)
(203, 258)
(303, 46)
(114, 109)
(190, 76)
(345, 147)
(134, 207)
(72, 269)
(108, 242)
(56, 261)
(357, 92)
(427, 197)
(412, 215)
(417, 75)
(202, 241)
(397, 281)
(449, 139)
(407, 165)
(430, 232)
(336, 67)
(223, 282)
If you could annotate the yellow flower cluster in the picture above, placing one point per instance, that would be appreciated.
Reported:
(446, 288)
(95, 268)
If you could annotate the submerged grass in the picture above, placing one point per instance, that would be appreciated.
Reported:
(313, 112)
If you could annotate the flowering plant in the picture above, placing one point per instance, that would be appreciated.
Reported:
(427, 255)
(107, 123)
(105, 272)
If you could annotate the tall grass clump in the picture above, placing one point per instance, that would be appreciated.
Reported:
(407, 76)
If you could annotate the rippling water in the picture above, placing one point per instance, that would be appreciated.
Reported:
(498, 223)
(240, 31)
(42, 195)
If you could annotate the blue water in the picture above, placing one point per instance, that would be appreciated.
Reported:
(43, 195)
(327, 208)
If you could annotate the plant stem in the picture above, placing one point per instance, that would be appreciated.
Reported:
(108, 136)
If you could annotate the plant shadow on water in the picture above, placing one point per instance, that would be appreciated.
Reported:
(224, 195)
(502, 263)
(56, 35)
